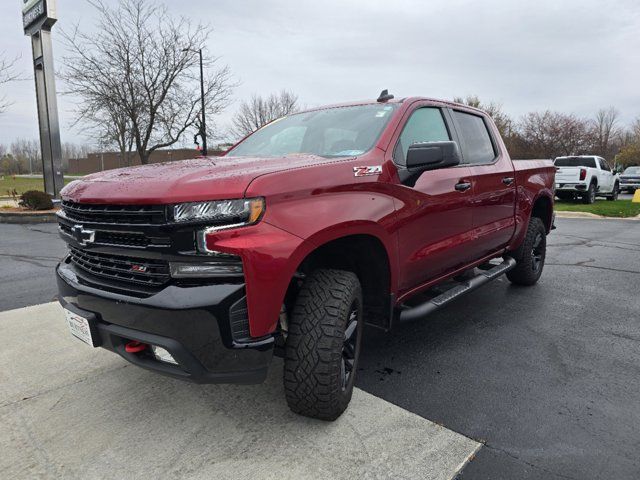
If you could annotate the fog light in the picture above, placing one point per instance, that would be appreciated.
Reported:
(163, 355)
(224, 267)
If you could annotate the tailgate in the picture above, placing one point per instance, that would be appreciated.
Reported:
(568, 174)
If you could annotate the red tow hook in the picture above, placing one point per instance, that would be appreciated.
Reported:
(135, 347)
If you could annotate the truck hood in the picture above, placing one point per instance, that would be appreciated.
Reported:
(182, 181)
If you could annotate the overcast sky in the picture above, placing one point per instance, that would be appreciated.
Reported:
(571, 55)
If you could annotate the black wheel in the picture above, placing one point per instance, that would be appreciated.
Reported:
(614, 195)
(590, 195)
(565, 196)
(530, 255)
(323, 344)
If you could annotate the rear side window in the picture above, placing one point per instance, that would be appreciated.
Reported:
(477, 146)
(575, 162)
(604, 165)
(424, 125)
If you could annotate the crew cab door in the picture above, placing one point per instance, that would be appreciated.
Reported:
(606, 178)
(493, 178)
(434, 214)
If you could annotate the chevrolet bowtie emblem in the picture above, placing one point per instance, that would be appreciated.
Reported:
(82, 236)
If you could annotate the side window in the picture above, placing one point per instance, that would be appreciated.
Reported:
(475, 139)
(425, 125)
(604, 165)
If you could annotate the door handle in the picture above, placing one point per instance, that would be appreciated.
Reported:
(507, 180)
(463, 186)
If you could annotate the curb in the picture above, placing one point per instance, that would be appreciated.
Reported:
(28, 217)
(569, 214)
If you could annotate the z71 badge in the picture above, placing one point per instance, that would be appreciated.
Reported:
(364, 171)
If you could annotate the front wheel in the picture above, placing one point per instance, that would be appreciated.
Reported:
(614, 195)
(323, 344)
(530, 256)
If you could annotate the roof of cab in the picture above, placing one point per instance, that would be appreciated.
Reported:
(396, 101)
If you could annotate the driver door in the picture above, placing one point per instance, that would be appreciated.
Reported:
(434, 213)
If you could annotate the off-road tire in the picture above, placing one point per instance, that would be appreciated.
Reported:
(313, 367)
(614, 194)
(590, 195)
(528, 270)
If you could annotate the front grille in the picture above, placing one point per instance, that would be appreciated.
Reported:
(122, 239)
(125, 239)
(141, 271)
(115, 214)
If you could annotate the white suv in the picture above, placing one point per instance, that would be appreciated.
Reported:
(585, 176)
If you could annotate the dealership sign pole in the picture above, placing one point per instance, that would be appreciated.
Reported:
(38, 16)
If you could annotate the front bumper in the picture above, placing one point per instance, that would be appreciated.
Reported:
(192, 323)
(629, 185)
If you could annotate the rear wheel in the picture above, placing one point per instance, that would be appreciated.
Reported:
(323, 344)
(530, 256)
(614, 194)
(590, 195)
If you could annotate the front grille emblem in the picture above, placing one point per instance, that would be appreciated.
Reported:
(82, 236)
(139, 268)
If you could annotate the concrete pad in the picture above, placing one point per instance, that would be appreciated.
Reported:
(67, 411)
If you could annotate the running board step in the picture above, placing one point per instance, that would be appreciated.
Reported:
(484, 276)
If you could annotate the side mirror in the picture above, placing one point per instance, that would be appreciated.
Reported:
(432, 156)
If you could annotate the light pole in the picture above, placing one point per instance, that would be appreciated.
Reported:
(203, 126)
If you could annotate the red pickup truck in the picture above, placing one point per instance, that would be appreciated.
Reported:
(309, 228)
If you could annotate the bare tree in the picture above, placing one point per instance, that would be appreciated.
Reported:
(110, 126)
(28, 152)
(606, 132)
(258, 111)
(635, 129)
(7, 74)
(550, 134)
(137, 67)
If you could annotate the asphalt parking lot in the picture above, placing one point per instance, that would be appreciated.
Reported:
(28, 255)
(546, 378)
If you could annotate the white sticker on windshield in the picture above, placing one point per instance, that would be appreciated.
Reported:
(380, 113)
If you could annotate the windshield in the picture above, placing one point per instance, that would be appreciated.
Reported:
(632, 171)
(575, 162)
(332, 132)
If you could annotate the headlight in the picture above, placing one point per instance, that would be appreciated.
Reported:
(222, 213)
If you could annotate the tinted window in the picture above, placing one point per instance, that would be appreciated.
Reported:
(424, 125)
(474, 136)
(604, 165)
(575, 162)
(331, 132)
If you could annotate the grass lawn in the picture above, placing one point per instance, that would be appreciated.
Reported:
(619, 208)
(22, 184)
